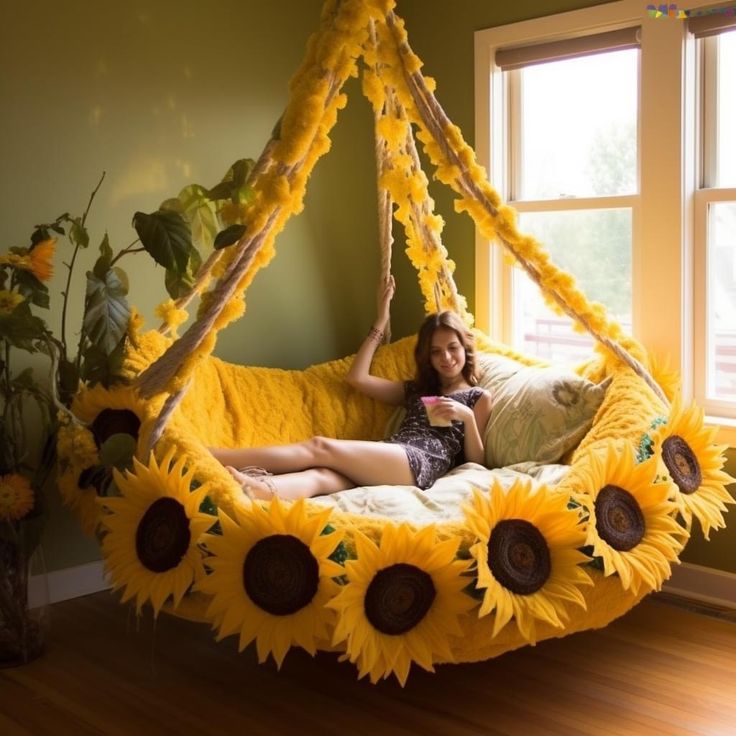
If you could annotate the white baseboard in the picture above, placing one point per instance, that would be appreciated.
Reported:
(72, 582)
(689, 581)
(703, 584)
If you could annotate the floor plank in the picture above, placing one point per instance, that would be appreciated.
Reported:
(661, 669)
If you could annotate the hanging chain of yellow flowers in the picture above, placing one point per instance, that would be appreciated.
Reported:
(407, 184)
(456, 166)
(302, 138)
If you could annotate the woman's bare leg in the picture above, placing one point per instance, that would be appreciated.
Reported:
(291, 486)
(365, 463)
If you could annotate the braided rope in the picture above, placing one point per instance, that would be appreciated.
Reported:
(160, 374)
(385, 202)
(430, 239)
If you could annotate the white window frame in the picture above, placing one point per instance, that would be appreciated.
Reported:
(706, 193)
(663, 222)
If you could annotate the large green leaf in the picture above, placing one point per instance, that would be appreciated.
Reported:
(233, 184)
(180, 284)
(78, 233)
(102, 265)
(117, 451)
(229, 236)
(201, 214)
(165, 234)
(106, 308)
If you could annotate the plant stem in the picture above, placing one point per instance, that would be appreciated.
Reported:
(71, 270)
(125, 251)
(91, 197)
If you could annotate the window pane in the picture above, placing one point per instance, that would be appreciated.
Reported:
(726, 110)
(721, 321)
(593, 245)
(578, 127)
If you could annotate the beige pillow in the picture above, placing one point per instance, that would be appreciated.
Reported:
(538, 414)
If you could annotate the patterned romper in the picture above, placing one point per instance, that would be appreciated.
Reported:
(431, 451)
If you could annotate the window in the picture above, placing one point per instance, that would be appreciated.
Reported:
(572, 175)
(715, 217)
(624, 181)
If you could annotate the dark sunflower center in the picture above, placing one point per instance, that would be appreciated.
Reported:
(398, 598)
(163, 535)
(280, 574)
(114, 421)
(682, 464)
(618, 518)
(518, 556)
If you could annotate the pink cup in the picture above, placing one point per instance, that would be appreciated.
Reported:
(430, 405)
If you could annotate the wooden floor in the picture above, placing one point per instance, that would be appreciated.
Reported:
(661, 669)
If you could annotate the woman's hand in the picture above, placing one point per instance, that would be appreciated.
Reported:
(449, 409)
(386, 290)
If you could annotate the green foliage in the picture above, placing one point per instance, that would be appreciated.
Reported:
(229, 235)
(106, 308)
(191, 224)
(176, 236)
(117, 451)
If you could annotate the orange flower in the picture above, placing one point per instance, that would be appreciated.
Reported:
(42, 256)
(16, 497)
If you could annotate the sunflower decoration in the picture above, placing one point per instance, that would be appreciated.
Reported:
(690, 458)
(401, 602)
(16, 497)
(271, 576)
(103, 413)
(631, 525)
(527, 554)
(114, 410)
(153, 531)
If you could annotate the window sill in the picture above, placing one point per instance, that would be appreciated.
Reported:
(726, 430)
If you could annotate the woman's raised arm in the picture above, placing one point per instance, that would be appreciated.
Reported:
(359, 375)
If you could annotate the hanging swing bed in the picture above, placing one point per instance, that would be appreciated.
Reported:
(565, 538)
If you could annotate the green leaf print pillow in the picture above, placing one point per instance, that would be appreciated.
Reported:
(538, 414)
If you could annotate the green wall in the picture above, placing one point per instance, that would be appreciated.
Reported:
(165, 93)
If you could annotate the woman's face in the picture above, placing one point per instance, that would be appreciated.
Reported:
(446, 354)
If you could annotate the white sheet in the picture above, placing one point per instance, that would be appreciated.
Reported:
(441, 502)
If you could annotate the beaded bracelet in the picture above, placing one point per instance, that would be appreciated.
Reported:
(375, 334)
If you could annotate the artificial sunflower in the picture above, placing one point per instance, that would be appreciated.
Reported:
(631, 525)
(16, 497)
(41, 258)
(271, 576)
(528, 555)
(114, 410)
(402, 601)
(689, 456)
(153, 530)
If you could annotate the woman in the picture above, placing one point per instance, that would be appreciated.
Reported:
(417, 454)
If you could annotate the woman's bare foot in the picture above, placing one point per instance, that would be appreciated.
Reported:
(254, 488)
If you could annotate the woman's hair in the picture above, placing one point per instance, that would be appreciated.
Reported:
(427, 380)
